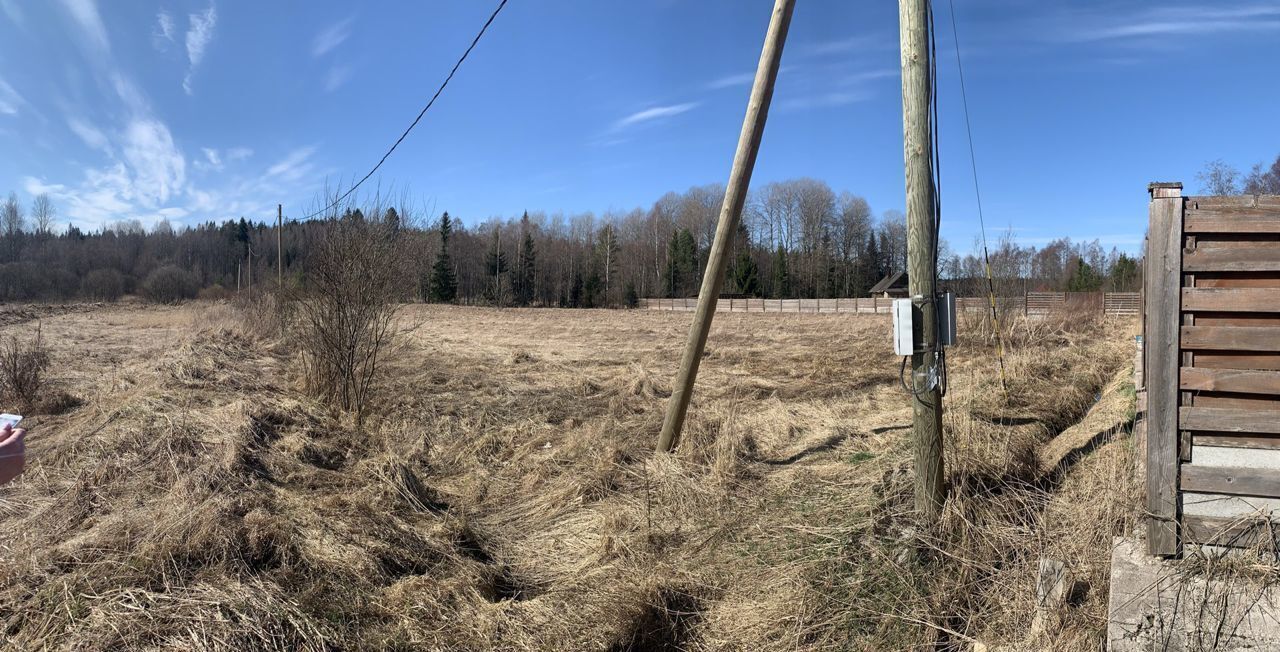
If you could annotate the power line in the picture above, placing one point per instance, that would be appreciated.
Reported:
(421, 113)
(973, 163)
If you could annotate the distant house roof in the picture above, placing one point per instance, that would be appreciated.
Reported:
(890, 283)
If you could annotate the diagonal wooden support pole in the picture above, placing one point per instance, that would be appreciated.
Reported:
(735, 196)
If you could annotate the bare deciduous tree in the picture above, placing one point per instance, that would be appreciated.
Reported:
(348, 303)
(43, 213)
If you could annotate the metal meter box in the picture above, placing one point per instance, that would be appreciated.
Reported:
(903, 334)
(947, 319)
(903, 341)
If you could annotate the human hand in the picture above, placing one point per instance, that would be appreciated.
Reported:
(13, 452)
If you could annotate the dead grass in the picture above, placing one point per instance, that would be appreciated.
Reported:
(502, 494)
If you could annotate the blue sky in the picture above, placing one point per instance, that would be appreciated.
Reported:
(199, 110)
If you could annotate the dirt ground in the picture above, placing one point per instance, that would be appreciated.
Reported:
(503, 494)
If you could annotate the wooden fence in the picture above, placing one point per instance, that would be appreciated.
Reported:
(1034, 303)
(1212, 369)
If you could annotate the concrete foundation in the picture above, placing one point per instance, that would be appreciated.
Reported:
(1153, 607)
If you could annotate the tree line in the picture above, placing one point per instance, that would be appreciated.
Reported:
(798, 239)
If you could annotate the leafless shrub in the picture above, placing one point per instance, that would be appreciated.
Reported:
(103, 285)
(169, 284)
(347, 306)
(22, 367)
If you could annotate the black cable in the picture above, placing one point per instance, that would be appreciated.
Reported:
(421, 113)
(982, 224)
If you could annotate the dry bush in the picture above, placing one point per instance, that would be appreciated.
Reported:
(169, 284)
(214, 293)
(103, 285)
(356, 275)
(22, 367)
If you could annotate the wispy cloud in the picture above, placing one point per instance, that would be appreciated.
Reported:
(294, 166)
(654, 113)
(10, 100)
(212, 160)
(857, 43)
(1168, 21)
(826, 99)
(239, 153)
(86, 17)
(199, 34)
(336, 77)
(162, 36)
(91, 135)
(729, 81)
(331, 37)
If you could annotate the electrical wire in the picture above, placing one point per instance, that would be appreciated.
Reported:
(421, 113)
(973, 162)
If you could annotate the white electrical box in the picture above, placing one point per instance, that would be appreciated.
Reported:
(903, 340)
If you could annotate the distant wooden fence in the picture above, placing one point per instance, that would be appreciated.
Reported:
(1034, 303)
(1212, 370)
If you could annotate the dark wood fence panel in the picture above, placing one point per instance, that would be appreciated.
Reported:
(1212, 367)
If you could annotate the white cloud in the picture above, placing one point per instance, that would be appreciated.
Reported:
(239, 153)
(9, 99)
(36, 186)
(337, 76)
(199, 34)
(91, 135)
(729, 81)
(159, 169)
(294, 166)
(858, 43)
(1169, 21)
(163, 35)
(86, 16)
(331, 37)
(212, 160)
(654, 113)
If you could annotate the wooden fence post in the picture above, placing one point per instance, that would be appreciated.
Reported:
(1162, 284)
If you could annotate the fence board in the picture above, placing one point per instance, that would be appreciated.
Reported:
(1232, 257)
(1244, 381)
(1219, 419)
(1260, 442)
(1231, 338)
(1233, 220)
(1238, 481)
(1223, 531)
(1227, 299)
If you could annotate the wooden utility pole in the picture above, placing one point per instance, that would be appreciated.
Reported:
(917, 98)
(735, 196)
(279, 248)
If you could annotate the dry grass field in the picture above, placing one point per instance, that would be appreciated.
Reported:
(503, 493)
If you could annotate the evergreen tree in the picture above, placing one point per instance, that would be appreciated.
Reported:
(444, 284)
(629, 298)
(671, 277)
(496, 263)
(781, 275)
(523, 277)
(688, 260)
(392, 219)
(1125, 275)
(745, 275)
(1084, 278)
(575, 290)
(606, 262)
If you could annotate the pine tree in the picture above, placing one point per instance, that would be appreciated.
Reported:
(629, 298)
(523, 278)
(496, 262)
(672, 278)
(606, 259)
(392, 218)
(444, 284)
(745, 275)
(781, 275)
